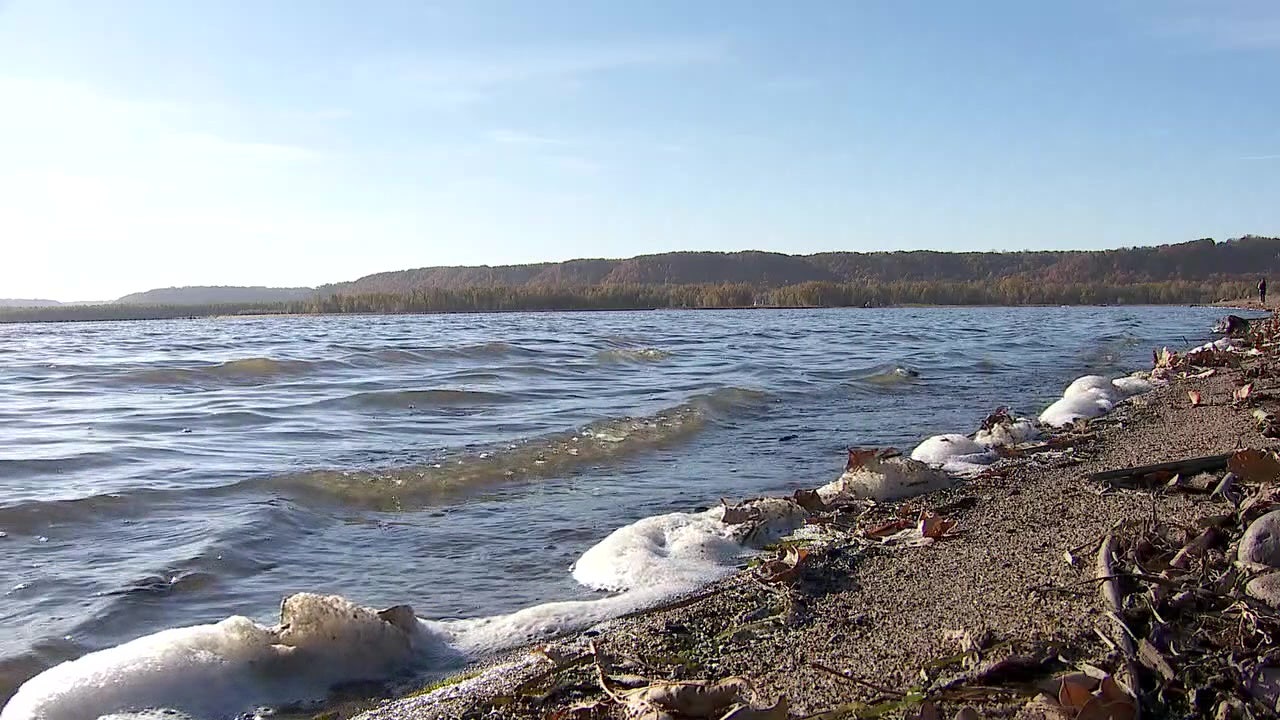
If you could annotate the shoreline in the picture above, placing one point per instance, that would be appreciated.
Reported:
(864, 618)
(1226, 304)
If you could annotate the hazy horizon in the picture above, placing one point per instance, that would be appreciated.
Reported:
(297, 144)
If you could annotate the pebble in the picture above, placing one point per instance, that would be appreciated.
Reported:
(3, 534)
(1261, 542)
(1265, 588)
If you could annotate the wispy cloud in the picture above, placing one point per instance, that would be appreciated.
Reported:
(517, 137)
(1261, 157)
(460, 80)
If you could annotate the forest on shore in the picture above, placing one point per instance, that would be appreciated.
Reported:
(1202, 271)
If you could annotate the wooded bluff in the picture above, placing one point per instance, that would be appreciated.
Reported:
(1193, 272)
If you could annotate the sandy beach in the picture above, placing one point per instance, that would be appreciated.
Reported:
(869, 623)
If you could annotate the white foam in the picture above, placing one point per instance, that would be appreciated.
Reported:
(223, 669)
(1133, 385)
(954, 453)
(1019, 431)
(887, 479)
(675, 549)
(1093, 396)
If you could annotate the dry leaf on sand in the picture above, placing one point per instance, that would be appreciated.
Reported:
(933, 525)
(1254, 466)
(1194, 397)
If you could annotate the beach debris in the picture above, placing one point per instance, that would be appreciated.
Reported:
(1242, 394)
(726, 699)
(1195, 397)
(882, 474)
(1165, 470)
(1267, 423)
(785, 567)
(934, 526)
(1254, 466)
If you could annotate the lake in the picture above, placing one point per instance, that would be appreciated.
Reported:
(169, 473)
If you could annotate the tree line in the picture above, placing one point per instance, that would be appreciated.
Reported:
(1007, 291)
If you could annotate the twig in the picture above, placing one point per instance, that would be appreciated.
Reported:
(856, 680)
(1111, 593)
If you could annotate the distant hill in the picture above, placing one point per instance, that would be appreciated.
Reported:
(19, 302)
(1198, 260)
(218, 295)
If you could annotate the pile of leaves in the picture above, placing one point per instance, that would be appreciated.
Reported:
(1196, 644)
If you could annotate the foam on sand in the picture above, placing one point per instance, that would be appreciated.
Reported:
(1092, 396)
(882, 477)
(225, 669)
(954, 453)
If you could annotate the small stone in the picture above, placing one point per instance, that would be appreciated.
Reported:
(1261, 542)
(3, 534)
(1265, 588)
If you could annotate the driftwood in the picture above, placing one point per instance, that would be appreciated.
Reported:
(1111, 593)
(1190, 466)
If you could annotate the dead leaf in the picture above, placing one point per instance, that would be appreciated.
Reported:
(1254, 466)
(785, 568)
(886, 529)
(935, 526)
(1242, 393)
(1206, 374)
(810, 500)
(696, 699)
(967, 713)
(1194, 397)
(1073, 695)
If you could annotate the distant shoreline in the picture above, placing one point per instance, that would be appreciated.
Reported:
(223, 315)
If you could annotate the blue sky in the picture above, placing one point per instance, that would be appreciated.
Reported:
(161, 142)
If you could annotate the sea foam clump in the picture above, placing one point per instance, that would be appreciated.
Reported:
(954, 453)
(222, 670)
(209, 671)
(1092, 396)
(883, 478)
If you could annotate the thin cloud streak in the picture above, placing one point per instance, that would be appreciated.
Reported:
(457, 81)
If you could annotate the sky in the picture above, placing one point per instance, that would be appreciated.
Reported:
(155, 143)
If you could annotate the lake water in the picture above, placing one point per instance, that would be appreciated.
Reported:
(169, 473)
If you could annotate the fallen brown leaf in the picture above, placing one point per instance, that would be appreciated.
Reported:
(935, 526)
(695, 699)
(1254, 466)
(1194, 397)
(1242, 393)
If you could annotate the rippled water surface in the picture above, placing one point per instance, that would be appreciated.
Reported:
(168, 473)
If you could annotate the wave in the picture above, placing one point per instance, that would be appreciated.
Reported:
(326, 641)
(412, 399)
(423, 355)
(887, 376)
(232, 371)
(632, 355)
(547, 456)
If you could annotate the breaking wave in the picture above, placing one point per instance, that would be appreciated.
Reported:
(546, 456)
(632, 355)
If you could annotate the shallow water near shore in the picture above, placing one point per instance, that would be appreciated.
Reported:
(169, 473)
